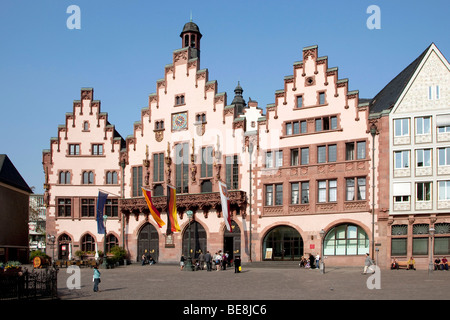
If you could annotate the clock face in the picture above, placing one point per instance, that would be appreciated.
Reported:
(179, 121)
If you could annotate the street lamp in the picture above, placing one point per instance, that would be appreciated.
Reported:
(322, 262)
(51, 241)
(104, 264)
(373, 132)
(190, 214)
(431, 266)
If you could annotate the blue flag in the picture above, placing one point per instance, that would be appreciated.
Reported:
(100, 206)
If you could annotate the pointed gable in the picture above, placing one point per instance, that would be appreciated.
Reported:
(10, 176)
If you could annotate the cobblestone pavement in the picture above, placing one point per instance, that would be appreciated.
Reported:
(167, 282)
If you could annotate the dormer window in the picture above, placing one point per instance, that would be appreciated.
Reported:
(159, 125)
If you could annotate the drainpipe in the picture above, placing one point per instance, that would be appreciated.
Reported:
(250, 151)
(373, 131)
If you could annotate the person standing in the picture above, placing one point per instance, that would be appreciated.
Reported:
(208, 259)
(237, 264)
(201, 258)
(96, 278)
(182, 262)
(317, 261)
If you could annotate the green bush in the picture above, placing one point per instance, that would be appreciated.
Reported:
(38, 253)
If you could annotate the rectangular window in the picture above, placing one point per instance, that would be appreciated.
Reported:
(444, 190)
(289, 128)
(137, 181)
(64, 207)
(444, 156)
(274, 195)
(269, 195)
(299, 101)
(401, 159)
(361, 150)
(87, 207)
(333, 123)
(232, 172)
(443, 129)
(423, 125)
(182, 167)
(423, 191)
(423, 158)
(294, 157)
(327, 191)
(401, 127)
(437, 93)
(296, 127)
(321, 98)
(305, 192)
(303, 127)
(97, 149)
(318, 125)
(332, 153)
(294, 193)
(400, 199)
(74, 149)
(321, 154)
(304, 156)
(207, 162)
(158, 167)
(112, 207)
(278, 194)
(350, 151)
(355, 189)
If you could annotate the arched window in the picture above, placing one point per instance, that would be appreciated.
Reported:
(88, 243)
(64, 177)
(88, 177)
(346, 239)
(111, 177)
(111, 242)
(86, 126)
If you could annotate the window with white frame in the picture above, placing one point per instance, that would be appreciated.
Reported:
(423, 158)
(401, 159)
(444, 156)
(355, 189)
(444, 190)
(274, 159)
(423, 125)
(327, 190)
(423, 191)
(433, 92)
(401, 127)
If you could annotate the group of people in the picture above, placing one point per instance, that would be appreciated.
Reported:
(218, 261)
(310, 262)
(410, 264)
(441, 264)
(147, 258)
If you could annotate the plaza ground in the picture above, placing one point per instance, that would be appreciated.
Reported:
(256, 282)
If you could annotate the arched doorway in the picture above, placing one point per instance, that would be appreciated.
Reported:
(232, 241)
(148, 239)
(198, 239)
(64, 247)
(346, 240)
(282, 243)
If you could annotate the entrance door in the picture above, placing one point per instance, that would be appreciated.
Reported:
(232, 241)
(148, 240)
(283, 243)
(198, 240)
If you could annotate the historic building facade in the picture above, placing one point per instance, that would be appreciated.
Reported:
(300, 177)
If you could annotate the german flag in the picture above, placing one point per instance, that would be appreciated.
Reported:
(154, 212)
(172, 221)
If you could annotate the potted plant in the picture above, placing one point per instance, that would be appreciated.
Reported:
(12, 267)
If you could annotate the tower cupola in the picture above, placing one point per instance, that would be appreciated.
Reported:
(190, 38)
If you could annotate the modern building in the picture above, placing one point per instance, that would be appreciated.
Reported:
(412, 114)
(14, 202)
(302, 179)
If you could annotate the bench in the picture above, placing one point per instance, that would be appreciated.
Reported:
(402, 264)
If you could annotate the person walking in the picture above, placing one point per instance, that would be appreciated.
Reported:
(182, 262)
(208, 259)
(96, 278)
(368, 264)
(224, 262)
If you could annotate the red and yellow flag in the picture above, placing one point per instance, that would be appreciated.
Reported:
(172, 210)
(154, 212)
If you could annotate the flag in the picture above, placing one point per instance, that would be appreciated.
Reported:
(172, 221)
(225, 205)
(100, 206)
(154, 212)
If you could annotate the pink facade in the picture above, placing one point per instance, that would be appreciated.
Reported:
(300, 177)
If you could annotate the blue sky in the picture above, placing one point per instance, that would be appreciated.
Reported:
(123, 46)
